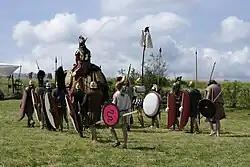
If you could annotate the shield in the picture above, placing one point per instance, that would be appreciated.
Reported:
(72, 114)
(207, 108)
(186, 109)
(171, 109)
(49, 110)
(110, 114)
(34, 101)
(151, 104)
(23, 105)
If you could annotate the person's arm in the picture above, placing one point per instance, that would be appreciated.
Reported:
(114, 99)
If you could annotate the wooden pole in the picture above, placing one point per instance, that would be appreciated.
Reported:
(159, 59)
(196, 69)
(142, 64)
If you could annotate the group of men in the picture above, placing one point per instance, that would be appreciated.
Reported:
(213, 92)
(87, 96)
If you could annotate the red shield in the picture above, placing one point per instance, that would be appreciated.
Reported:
(185, 109)
(23, 105)
(171, 110)
(110, 114)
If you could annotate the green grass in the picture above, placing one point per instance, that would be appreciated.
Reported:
(22, 146)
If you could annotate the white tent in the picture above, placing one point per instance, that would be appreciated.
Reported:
(7, 69)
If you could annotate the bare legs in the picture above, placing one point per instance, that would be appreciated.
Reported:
(194, 125)
(93, 132)
(125, 135)
(140, 117)
(155, 121)
(217, 125)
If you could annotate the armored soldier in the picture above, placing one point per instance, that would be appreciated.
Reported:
(92, 105)
(195, 97)
(138, 101)
(178, 97)
(82, 54)
(155, 118)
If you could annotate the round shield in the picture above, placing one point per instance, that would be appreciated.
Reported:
(110, 114)
(207, 108)
(151, 104)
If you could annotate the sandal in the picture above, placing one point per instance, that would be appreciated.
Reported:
(116, 144)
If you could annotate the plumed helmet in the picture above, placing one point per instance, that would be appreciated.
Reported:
(48, 85)
(31, 83)
(82, 40)
(93, 85)
(154, 87)
(191, 84)
(176, 85)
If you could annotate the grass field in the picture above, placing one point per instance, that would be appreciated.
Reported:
(22, 146)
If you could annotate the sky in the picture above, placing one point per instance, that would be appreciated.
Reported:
(218, 30)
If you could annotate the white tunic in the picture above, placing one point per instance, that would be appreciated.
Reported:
(123, 103)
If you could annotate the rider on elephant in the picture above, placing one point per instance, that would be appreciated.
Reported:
(82, 54)
(85, 72)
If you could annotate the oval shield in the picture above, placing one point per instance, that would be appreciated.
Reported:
(151, 104)
(110, 114)
(207, 108)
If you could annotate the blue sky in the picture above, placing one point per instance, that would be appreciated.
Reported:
(205, 18)
(13, 11)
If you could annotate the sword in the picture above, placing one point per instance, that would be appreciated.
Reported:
(212, 71)
(123, 115)
(37, 65)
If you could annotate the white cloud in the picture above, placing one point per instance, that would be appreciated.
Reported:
(114, 41)
(114, 45)
(134, 7)
(233, 28)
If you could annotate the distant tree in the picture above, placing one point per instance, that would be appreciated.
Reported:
(134, 75)
(156, 71)
(121, 71)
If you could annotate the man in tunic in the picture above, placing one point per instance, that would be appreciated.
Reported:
(155, 118)
(92, 103)
(122, 101)
(138, 102)
(178, 97)
(195, 97)
(214, 92)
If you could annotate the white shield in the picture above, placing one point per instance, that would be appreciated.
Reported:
(34, 102)
(48, 110)
(69, 115)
